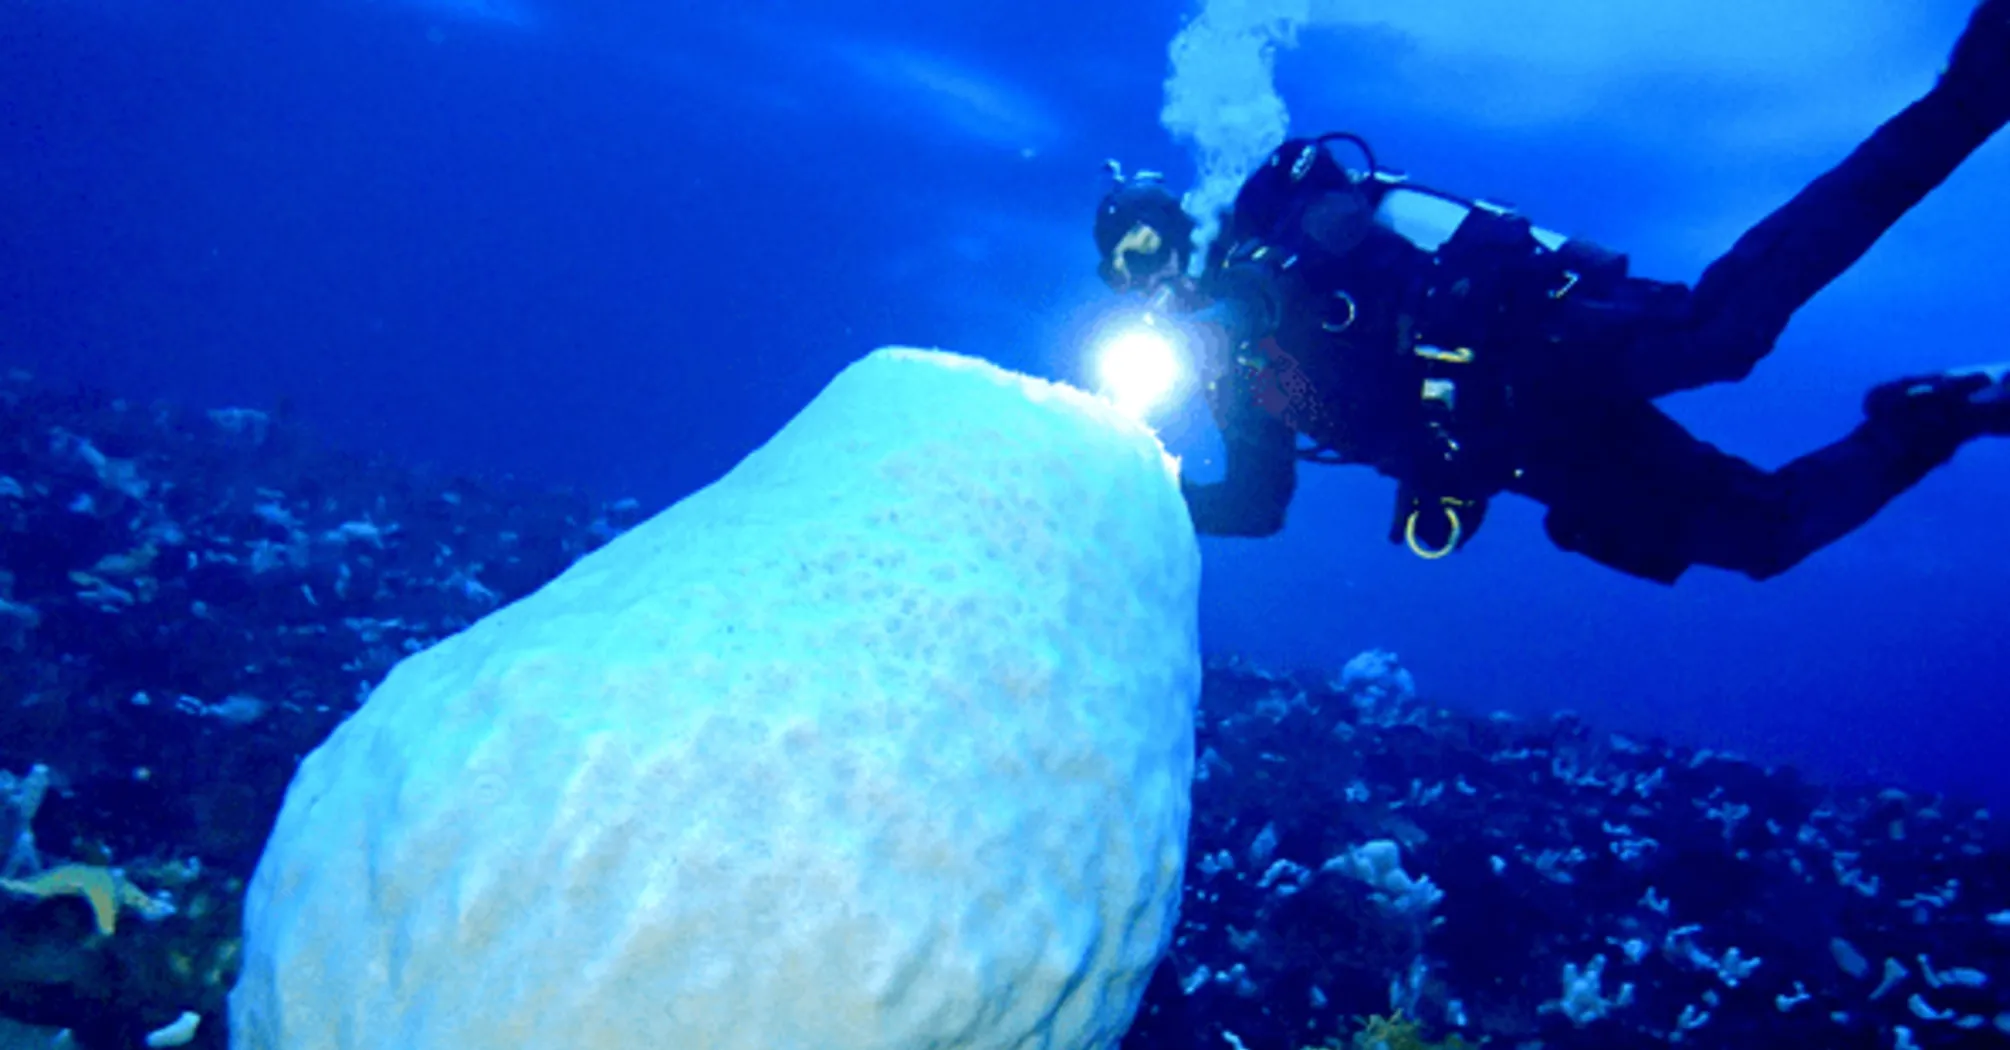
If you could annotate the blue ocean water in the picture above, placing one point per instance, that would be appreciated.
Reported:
(617, 245)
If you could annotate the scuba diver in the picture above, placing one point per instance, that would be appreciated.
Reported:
(1454, 347)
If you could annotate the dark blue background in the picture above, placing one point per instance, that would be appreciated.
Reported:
(592, 243)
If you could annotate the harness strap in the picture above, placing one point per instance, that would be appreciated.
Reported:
(1491, 264)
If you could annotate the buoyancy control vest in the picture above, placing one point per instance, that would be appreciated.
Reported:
(1420, 290)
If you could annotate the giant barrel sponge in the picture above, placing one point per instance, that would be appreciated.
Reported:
(883, 740)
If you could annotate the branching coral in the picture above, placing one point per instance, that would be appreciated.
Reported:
(20, 797)
(106, 889)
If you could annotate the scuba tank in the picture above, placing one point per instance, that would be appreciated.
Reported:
(1483, 273)
(1427, 218)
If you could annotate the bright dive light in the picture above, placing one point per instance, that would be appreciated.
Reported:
(1139, 367)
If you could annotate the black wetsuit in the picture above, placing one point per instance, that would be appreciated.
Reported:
(1557, 404)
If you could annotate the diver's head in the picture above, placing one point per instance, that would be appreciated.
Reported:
(1143, 237)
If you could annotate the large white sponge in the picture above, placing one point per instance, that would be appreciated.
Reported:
(882, 741)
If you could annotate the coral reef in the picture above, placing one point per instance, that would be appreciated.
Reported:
(191, 601)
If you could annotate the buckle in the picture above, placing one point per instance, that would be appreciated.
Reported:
(1461, 355)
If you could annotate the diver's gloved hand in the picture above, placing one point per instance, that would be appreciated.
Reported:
(1967, 402)
(1979, 69)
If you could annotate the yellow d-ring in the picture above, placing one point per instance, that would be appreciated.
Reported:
(1451, 542)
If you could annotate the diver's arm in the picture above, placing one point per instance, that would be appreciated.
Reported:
(1246, 302)
(1259, 452)
(1261, 469)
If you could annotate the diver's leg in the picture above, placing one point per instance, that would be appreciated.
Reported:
(1633, 490)
(1745, 299)
(1774, 520)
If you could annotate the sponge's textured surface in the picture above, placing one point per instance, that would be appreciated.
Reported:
(883, 740)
